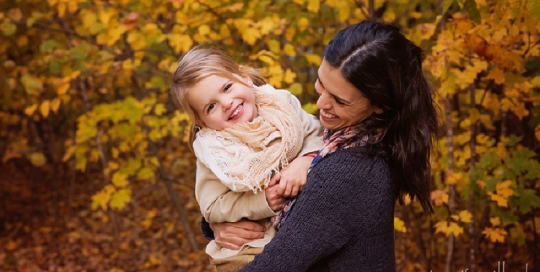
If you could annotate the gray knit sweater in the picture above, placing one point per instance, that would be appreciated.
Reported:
(343, 219)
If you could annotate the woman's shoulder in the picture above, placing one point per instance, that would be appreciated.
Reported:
(356, 163)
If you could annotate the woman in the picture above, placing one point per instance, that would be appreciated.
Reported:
(379, 118)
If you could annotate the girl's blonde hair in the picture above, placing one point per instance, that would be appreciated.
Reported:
(199, 63)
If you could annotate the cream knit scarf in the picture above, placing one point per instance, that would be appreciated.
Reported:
(246, 155)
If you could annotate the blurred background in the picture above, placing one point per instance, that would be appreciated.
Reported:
(96, 173)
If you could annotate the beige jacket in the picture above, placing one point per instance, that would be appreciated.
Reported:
(219, 204)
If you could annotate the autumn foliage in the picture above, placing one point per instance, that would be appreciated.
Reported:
(96, 173)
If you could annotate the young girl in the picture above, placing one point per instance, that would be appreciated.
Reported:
(246, 136)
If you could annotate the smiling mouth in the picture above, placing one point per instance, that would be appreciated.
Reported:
(240, 107)
(327, 115)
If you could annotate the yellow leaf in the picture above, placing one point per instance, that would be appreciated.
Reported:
(495, 234)
(224, 31)
(399, 225)
(501, 201)
(289, 76)
(495, 221)
(44, 108)
(455, 229)
(465, 216)
(482, 184)
(303, 23)
(180, 43)
(439, 197)
(289, 50)
(38, 159)
(453, 177)
(101, 199)
(55, 104)
(441, 226)
(503, 188)
(120, 198)
(537, 132)
(313, 6)
(89, 19)
(250, 35)
(120, 180)
(204, 30)
(61, 9)
(105, 16)
(313, 59)
(289, 33)
(31, 109)
(266, 59)
(136, 40)
(274, 46)
(115, 33)
(497, 75)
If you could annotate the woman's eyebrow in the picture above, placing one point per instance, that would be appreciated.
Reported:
(320, 82)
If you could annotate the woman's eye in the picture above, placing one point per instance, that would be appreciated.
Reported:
(210, 107)
(227, 87)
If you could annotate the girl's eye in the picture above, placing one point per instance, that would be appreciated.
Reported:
(227, 87)
(210, 107)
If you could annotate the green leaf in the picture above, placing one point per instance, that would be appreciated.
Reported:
(38, 159)
(527, 200)
(8, 28)
(145, 173)
(32, 85)
(133, 165)
(310, 108)
(295, 89)
(48, 45)
(446, 5)
(470, 7)
(55, 67)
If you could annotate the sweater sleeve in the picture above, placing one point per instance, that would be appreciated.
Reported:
(332, 213)
(311, 125)
(219, 204)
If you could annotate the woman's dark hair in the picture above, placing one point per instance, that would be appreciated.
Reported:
(387, 68)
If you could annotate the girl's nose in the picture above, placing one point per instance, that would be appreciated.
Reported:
(226, 103)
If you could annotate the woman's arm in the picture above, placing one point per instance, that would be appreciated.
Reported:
(336, 207)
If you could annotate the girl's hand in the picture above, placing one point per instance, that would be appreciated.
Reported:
(234, 235)
(292, 179)
(275, 200)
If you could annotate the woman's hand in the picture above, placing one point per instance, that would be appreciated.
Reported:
(292, 179)
(234, 235)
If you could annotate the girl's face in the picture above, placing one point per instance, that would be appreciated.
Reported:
(220, 102)
(340, 103)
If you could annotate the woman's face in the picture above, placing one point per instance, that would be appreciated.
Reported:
(340, 103)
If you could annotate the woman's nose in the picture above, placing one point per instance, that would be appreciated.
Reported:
(322, 102)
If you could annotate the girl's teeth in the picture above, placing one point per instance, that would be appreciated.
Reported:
(236, 111)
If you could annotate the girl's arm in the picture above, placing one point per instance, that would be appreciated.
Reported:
(219, 204)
